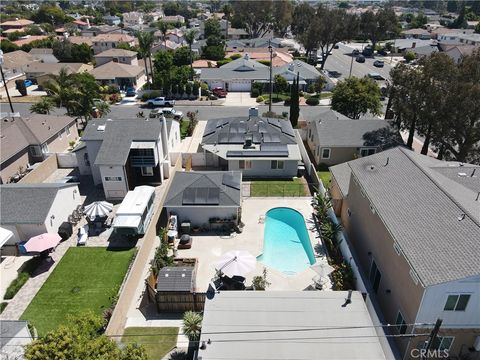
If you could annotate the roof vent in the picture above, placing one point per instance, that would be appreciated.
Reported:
(101, 128)
(462, 174)
(461, 217)
(371, 168)
(246, 56)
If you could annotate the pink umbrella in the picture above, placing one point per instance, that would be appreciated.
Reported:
(42, 242)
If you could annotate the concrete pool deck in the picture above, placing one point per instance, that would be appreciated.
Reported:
(208, 248)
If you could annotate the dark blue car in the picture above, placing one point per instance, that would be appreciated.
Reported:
(131, 91)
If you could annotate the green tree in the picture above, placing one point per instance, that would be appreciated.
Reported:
(295, 102)
(280, 84)
(61, 89)
(477, 28)
(354, 97)
(319, 84)
(145, 43)
(227, 10)
(301, 26)
(410, 56)
(163, 27)
(255, 15)
(212, 28)
(49, 14)
(182, 56)
(190, 39)
(192, 325)
(214, 50)
(8, 46)
(44, 106)
(282, 13)
(378, 26)
(103, 107)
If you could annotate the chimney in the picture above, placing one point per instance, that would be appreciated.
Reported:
(413, 45)
(253, 111)
(246, 56)
(291, 66)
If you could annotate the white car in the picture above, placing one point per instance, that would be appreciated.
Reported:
(172, 113)
(160, 101)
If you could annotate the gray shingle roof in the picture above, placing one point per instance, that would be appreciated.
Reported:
(341, 173)
(430, 211)
(27, 203)
(242, 69)
(175, 279)
(346, 132)
(118, 136)
(307, 71)
(9, 330)
(113, 70)
(229, 196)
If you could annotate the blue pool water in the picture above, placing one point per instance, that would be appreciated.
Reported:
(286, 244)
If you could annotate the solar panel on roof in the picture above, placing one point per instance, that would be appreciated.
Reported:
(188, 196)
(273, 147)
(231, 181)
(262, 127)
(201, 196)
(253, 154)
(223, 138)
(236, 138)
(256, 137)
(242, 126)
(287, 128)
(210, 128)
(213, 197)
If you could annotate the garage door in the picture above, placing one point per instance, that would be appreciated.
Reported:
(215, 84)
(239, 85)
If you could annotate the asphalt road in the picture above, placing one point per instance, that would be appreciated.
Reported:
(341, 58)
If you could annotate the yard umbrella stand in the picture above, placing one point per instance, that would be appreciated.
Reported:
(40, 243)
(97, 209)
(236, 263)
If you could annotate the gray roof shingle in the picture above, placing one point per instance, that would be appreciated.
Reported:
(429, 206)
(341, 173)
(27, 203)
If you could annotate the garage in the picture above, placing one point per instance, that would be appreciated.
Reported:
(214, 83)
(239, 85)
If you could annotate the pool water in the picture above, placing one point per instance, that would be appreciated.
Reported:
(286, 244)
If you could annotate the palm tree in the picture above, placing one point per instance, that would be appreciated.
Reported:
(103, 107)
(145, 42)
(163, 26)
(190, 39)
(44, 106)
(62, 89)
(192, 325)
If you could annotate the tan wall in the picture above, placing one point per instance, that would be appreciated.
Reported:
(368, 235)
(43, 171)
(58, 144)
(336, 195)
(11, 166)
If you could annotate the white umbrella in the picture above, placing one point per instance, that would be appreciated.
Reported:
(322, 269)
(97, 208)
(236, 262)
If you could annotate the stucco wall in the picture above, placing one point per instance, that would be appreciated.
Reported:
(65, 202)
(262, 169)
(114, 189)
(59, 143)
(93, 147)
(199, 216)
(83, 167)
(42, 171)
(11, 166)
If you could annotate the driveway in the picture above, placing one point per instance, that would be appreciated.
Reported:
(239, 99)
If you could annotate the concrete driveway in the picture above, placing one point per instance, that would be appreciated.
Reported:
(239, 99)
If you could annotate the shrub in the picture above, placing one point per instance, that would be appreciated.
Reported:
(287, 101)
(264, 62)
(3, 305)
(285, 114)
(410, 56)
(114, 98)
(259, 99)
(235, 56)
(151, 95)
(261, 282)
(311, 88)
(204, 89)
(342, 277)
(254, 93)
(312, 101)
(223, 62)
(16, 285)
(195, 87)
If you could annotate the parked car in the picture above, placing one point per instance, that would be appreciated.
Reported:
(360, 59)
(368, 51)
(172, 113)
(355, 52)
(335, 46)
(28, 83)
(375, 76)
(219, 92)
(382, 52)
(160, 101)
(334, 74)
(378, 63)
(131, 92)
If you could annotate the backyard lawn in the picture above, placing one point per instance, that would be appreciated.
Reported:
(325, 176)
(294, 187)
(158, 344)
(86, 278)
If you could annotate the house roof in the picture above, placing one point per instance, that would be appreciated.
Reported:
(52, 68)
(28, 203)
(18, 22)
(424, 50)
(113, 37)
(242, 68)
(232, 319)
(438, 230)
(306, 71)
(81, 40)
(29, 39)
(40, 51)
(417, 31)
(20, 132)
(341, 173)
(16, 59)
(188, 188)
(117, 52)
(343, 132)
(117, 137)
(113, 70)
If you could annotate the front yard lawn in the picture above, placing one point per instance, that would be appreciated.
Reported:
(85, 279)
(325, 176)
(262, 188)
(158, 344)
(184, 129)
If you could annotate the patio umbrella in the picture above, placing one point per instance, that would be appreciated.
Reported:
(97, 208)
(322, 269)
(236, 262)
(42, 242)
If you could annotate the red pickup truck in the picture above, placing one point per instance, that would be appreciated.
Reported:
(219, 92)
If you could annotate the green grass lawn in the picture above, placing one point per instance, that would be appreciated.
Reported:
(294, 187)
(183, 129)
(157, 345)
(325, 176)
(85, 279)
(276, 97)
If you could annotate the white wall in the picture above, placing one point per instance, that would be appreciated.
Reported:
(83, 168)
(65, 202)
(199, 216)
(93, 147)
(174, 139)
(67, 160)
(262, 169)
(435, 298)
(114, 189)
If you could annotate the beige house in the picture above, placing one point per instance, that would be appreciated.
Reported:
(25, 141)
(41, 72)
(333, 138)
(117, 55)
(414, 223)
(121, 75)
(104, 42)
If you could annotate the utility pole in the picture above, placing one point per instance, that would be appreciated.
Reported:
(351, 65)
(270, 49)
(433, 336)
(4, 82)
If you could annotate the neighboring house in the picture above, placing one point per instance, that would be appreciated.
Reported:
(254, 325)
(133, 18)
(173, 19)
(121, 75)
(199, 196)
(15, 335)
(112, 19)
(171, 45)
(44, 55)
(110, 41)
(24, 40)
(237, 33)
(334, 138)
(414, 223)
(175, 35)
(27, 140)
(308, 74)
(458, 52)
(237, 75)
(32, 209)
(416, 34)
(41, 72)
(259, 147)
(401, 45)
(15, 24)
(279, 56)
(81, 40)
(101, 29)
(116, 55)
(14, 63)
(123, 154)
(422, 51)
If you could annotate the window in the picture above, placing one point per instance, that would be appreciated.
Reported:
(375, 276)
(147, 171)
(442, 343)
(113, 178)
(366, 152)
(244, 164)
(67, 130)
(325, 153)
(401, 324)
(276, 164)
(456, 302)
(45, 148)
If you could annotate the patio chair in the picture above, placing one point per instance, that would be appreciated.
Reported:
(261, 219)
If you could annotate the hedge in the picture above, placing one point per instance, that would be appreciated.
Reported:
(312, 101)
(259, 99)
(151, 95)
(3, 305)
(29, 267)
(287, 102)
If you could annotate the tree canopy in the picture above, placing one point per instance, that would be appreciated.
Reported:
(255, 15)
(378, 26)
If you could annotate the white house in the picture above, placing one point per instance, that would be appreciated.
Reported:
(29, 210)
(109, 41)
(123, 154)
(121, 56)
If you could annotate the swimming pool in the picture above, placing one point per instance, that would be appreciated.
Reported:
(286, 244)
